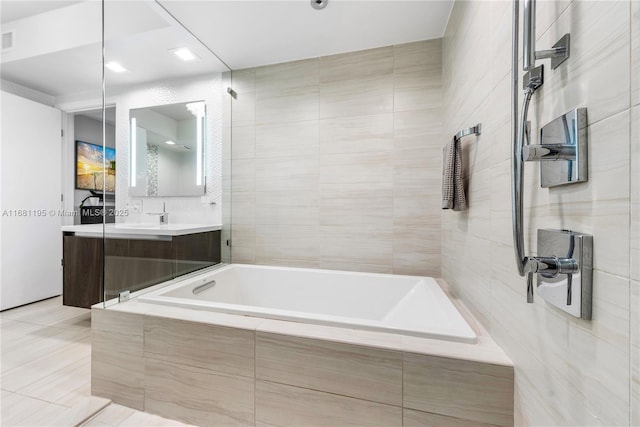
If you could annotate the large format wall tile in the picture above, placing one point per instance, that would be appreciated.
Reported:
(345, 148)
(215, 348)
(419, 55)
(283, 405)
(243, 175)
(287, 207)
(244, 81)
(356, 248)
(414, 252)
(290, 105)
(350, 370)
(357, 171)
(117, 357)
(364, 134)
(597, 74)
(285, 76)
(287, 139)
(634, 168)
(360, 97)
(244, 143)
(484, 393)
(197, 396)
(418, 75)
(288, 245)
(635, 230)
(366, 208)
(635, 53)
(244, 110)
(411, 418)
(598, 351)
(288, 173)
(356, 65)
(635, 354)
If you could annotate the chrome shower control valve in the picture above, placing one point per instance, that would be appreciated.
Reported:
(562, 151)
(551, 266)
(564, 273)
(548, 152)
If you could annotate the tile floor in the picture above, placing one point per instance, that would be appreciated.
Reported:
(45, 371)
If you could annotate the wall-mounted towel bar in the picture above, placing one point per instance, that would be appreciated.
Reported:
(473, 130)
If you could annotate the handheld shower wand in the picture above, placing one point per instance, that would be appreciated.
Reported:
(532, 80)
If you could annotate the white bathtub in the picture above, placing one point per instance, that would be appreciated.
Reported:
(406, 305)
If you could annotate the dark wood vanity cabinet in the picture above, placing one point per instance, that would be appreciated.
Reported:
(82, 271)
(130, 264)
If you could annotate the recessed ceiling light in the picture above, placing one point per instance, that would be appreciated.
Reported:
(184, 54)
(114, 66)
(170, 142)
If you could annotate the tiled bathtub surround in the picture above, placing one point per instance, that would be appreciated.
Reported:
(336, 161)
(568, 371)
(219, 369)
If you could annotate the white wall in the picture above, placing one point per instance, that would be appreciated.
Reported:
(568, 371)
(27, 92)
(30, 201)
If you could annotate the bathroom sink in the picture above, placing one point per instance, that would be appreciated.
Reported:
(165, 229)
(144, 226)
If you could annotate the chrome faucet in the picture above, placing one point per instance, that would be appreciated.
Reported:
(164, 215)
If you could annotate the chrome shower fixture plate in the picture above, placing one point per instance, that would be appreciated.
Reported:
(533, 78)
(567, 277)
(558, 53)
(563, 150)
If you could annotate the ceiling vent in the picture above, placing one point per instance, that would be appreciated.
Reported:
(7, 40)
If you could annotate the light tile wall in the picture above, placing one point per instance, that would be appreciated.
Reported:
(568, 371)
(336, 161)
(117, 358)
(635, 214)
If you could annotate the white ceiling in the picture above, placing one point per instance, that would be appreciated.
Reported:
(10, 10)
(252, 33)
(57, 43)
(58, 51)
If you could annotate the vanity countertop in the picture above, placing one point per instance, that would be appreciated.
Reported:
(132, 230)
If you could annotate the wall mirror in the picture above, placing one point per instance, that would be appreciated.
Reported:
(167, 150)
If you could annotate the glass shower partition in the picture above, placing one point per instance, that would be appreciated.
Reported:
(169, 211)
